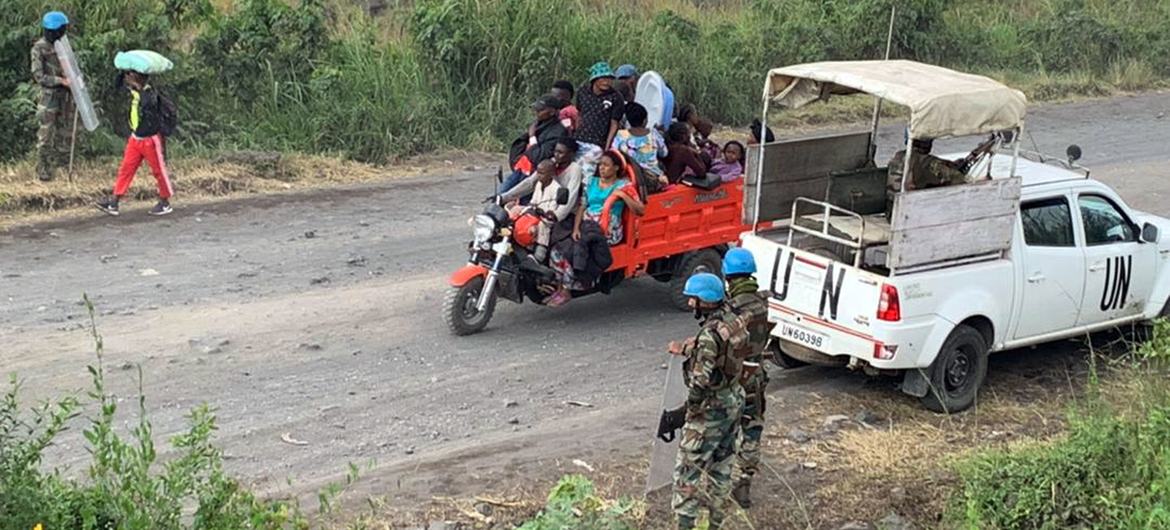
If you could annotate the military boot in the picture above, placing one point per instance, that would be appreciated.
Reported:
(686, 523)
(743, 494)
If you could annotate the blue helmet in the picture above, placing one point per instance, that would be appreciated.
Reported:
(738, 261)
(705, 286)
(54, 20)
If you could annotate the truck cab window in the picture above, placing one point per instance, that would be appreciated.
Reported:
(1104, 223)
(1047, 223)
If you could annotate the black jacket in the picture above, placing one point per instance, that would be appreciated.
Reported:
(149, 113)
(547, 134)
(591, 256)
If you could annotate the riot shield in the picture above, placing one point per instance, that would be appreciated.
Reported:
(663, 455)
(76, 83)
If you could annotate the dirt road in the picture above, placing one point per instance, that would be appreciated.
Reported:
(318, 316)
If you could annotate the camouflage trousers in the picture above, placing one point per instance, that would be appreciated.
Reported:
(751, 424)
(707, 450)
(55, 120)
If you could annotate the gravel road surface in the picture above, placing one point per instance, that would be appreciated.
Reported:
(317, 315)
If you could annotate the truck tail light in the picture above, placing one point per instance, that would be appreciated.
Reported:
(884, 352)
(889, 309)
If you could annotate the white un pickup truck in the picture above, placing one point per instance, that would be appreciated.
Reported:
(1028, 250)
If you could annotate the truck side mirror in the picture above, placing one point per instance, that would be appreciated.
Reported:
(1149, 233)
(562, 196)
(1073, 152)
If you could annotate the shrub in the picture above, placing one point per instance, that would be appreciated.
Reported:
(1111, 469)
(572, 505)
(126, 486)
(1107, 473)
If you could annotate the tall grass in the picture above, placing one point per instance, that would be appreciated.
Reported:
(321, 76)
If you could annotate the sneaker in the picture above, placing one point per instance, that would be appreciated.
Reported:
(109, 206)
(162, 208)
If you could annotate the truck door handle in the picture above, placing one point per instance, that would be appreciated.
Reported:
(1036, 278)
(1096, 267)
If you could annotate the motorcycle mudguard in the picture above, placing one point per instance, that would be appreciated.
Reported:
(466, 274)
(663, 454)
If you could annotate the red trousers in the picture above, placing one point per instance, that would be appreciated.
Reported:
(138, 149)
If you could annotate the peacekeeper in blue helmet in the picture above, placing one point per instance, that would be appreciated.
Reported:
(750, 305)
(710, 418)
(55, 104)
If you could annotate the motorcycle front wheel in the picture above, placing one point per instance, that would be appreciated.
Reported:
(459, 308)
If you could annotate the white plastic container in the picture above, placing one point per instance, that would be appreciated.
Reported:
(651, 93)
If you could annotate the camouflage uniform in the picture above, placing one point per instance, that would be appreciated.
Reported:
(714, 403)
(926, 171)
(749, 304)
(54, 110)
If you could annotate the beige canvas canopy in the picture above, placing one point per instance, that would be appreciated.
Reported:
(942, 102)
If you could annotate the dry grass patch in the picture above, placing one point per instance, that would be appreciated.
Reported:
(900, 461)
(510, 506)
(200, 180)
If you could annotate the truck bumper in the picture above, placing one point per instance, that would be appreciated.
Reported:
(889, 346)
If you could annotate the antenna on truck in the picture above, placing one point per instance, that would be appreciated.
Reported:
(877, 104)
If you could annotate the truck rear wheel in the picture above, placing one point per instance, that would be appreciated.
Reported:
(690, 264)
(781, 359)
(806, 355)
(958, 372)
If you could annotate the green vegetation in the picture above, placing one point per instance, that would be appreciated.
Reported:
(1111, 470)
(126, 486)
(572, 505)
(320, 76)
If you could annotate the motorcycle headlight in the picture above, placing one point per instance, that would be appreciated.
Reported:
(483, 227)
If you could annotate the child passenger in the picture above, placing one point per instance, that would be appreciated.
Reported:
(730, 166)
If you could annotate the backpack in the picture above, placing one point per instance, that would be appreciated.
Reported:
(168, 115)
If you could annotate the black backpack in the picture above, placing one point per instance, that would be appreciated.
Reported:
(168, 115)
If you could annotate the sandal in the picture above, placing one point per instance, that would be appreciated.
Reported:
(558, 298)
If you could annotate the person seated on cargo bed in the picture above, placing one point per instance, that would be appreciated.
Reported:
(536, 143)
(610, 180)
(579, 260)
(730, 166)
(563, 90)
(682, 157)
(701, 129)
(627, 81)
(643, 145)
(755, 129)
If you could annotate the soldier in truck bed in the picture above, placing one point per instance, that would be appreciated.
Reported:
(926, 171)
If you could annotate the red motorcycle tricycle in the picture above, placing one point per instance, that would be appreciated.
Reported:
(683, 228)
